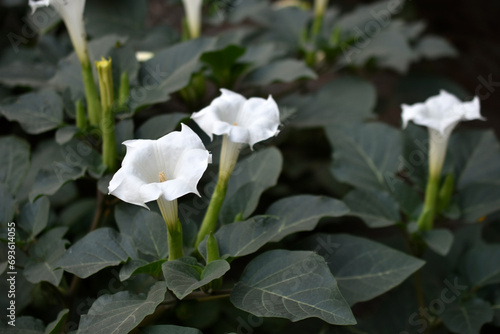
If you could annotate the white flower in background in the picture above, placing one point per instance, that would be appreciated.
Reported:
(193, 15)
(163, 170)
(240, 121)
(440, 114)
(71, 11)
(143, 56)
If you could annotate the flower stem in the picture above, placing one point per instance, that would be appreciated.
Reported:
(174, 235)
(93, 104)
(210, 220)
(426, 219)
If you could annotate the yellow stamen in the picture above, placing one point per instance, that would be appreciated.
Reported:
(163, 177)
(482, 219)
(235, 123)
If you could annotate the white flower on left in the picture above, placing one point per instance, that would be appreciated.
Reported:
(71, 11)
(163, 170)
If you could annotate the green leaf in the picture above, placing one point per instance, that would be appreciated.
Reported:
(140, 266)
(467, 318)
(169, 71)
(365, 155)
(75, 158)
(364, 269)
(21, 73)
(293, 285)
(121, 312)
(44, 255)
(99, 249)
(340, 101)
(146, 229)
(439, 240)
(251, 177)
(56, 326)
(35, 216)
(15, 153)
(302, 213)
(482, 265)
(476, 156)
(36, 112)
(170, 329)
(375, 208)
(65, 134)
(185, 275)
(222, 60)
(479, 200)
(434, 47)
(158, 126)
(244, 237)
(283, 70)
(286, 216)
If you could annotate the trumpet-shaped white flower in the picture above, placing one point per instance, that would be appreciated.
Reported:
(163, 170)
(193, 14)
(241, 121)
(440, 114)
(71, 11)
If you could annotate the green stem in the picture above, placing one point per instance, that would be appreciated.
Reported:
(174, 235)
(426, 219)
(93, 104)
(108, 141)
(210, 220)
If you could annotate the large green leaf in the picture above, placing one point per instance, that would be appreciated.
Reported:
(169, 71)
(251, 176)
(283, 70)
(340, 101)
(363, 268)
(482, 265)
(36, 112)
(302, 213)
(15, 154)
(479, 200)
(244, 237)
(44, 255)
(35, 216)
(467, 317)
(293, 285)
(433, 47)
(121, 312)
(185, 275)
(476, 155)
(99, 249)
(286, 216)
(74, 159)
(365, 155)
(375, 208)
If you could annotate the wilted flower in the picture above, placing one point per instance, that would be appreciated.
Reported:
(240, 121)
(71, 11)
(163, 170)
(193, 15)
(440, 114)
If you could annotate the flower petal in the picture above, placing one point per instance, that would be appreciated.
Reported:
(261, 117)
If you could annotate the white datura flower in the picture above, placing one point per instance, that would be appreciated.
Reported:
(71, 11)
(163, 170)
(240, 120)
(193, 15)
(440, 114)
